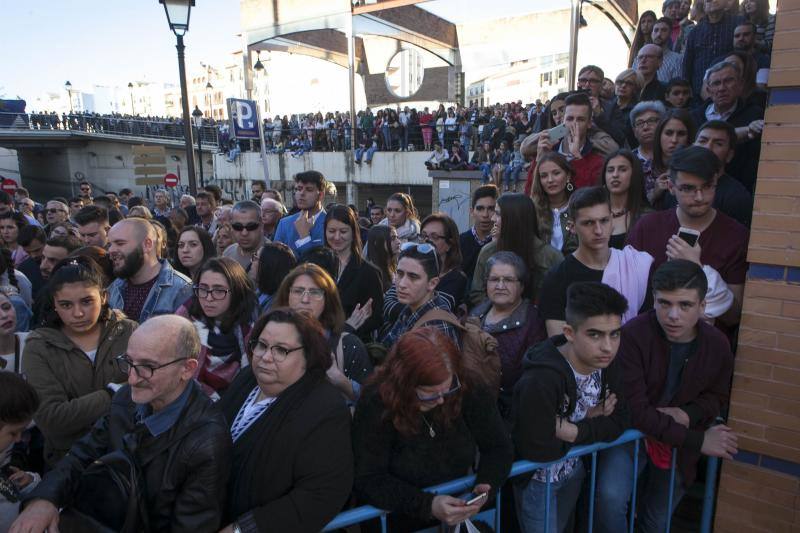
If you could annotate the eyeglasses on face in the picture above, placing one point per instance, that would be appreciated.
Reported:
(648, 122)
(589, 80)
(250, 226)
(497, 280)
(125, 365)
(54, 210)
(313, 294)
(217, 293)
(691, 190)
(279, 353)
(424, 237)
(454, 387)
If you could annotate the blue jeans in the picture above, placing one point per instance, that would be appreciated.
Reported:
(531, 498)
(511, 175)
(387, 137)
(615, 485)
(360, 151)
(486, 168)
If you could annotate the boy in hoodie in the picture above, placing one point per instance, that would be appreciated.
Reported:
(569, 394)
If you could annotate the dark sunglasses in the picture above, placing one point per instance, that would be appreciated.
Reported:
(454, 387)
(252, 226)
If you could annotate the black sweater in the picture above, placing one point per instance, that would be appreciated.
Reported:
(358, 283)
(392, 469)
(539, 399)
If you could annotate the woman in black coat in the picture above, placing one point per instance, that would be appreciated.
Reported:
(292, 455)
(359, 282)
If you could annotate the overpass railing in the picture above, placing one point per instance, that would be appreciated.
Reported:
(108, 125)
(519, 468)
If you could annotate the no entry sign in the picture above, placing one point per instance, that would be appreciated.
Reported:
(171, 180)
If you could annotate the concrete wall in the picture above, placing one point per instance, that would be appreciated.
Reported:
(760, 490)
(9, 164)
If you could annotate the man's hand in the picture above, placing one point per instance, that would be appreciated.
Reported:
(720, 441)
(544, 145)
(575, 140)
(677, 248)
(303, 224)
(566, 430)
(677, 414)
(755, 128)
(605, 408)
(19, 478)
(38, 517)
(597, 108)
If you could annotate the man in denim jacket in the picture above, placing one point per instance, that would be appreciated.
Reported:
(146, 285)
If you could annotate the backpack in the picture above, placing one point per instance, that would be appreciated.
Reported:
(480, 358)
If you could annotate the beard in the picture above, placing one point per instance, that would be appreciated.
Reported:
(133, 262)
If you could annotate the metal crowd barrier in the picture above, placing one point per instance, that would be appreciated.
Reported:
(464, 484)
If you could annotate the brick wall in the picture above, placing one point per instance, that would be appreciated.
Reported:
(760, 490)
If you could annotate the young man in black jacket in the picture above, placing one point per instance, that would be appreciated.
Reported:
(569, 394)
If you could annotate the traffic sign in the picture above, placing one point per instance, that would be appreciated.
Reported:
(8, 185)
(244, 118)
(171, 180)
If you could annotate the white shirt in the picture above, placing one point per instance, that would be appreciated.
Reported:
(250, 411)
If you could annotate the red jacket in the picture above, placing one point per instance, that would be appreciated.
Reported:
(703, 391)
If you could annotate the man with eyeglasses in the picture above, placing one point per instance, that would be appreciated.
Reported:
(305, 229)
(730, 196)
(56, 212)
(145, 285)
(570, 394)
(472, 241)
(271, 213)
(648, 62)
(86, 193)
(721, 248)
(671, 62)
(725, 86)
(179, 437)
(248, 234)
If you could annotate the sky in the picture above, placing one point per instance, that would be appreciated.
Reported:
(44, 43)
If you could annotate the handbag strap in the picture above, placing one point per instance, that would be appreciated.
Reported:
(438, 314)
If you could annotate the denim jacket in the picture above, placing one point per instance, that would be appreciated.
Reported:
(169, 292)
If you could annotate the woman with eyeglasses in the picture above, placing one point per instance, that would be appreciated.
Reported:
(69, 360)
(292, 453)
(441, 231)
(414, 294)
(309, 289)
(419, 423)
(517, 230)
(194, 247)
(222, 309)
(511, 318)
(358, 281)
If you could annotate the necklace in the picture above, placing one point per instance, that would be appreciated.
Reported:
(431, 432)
(617, 214)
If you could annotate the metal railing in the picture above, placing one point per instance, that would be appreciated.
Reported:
(108, 125)
(464, 484)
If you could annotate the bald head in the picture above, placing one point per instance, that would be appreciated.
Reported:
(649, 60)
(158, 328)
(136, 228)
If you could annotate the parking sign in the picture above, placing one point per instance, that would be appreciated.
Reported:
(243, 117)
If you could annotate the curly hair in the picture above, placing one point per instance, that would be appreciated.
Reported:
(421, 357)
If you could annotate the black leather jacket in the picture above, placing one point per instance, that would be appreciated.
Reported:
(185, 484)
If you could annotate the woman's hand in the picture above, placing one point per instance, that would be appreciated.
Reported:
(19, 478)
(453, 511)
(360, 315)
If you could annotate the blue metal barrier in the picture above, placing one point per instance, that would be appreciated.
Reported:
(464, 484)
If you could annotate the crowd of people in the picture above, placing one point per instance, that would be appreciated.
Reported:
(266, 364)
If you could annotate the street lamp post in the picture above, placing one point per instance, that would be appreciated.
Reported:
(198, 122)
(130, 88)
(178, 18)
(68, 87)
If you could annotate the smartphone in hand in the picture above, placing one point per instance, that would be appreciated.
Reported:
(557, 133)
(690, 236)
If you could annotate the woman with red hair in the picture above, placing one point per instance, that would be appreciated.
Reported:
(419, 423)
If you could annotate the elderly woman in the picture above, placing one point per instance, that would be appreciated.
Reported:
(421, 422)
(510, 318)
(292, 455)
(615, 118)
